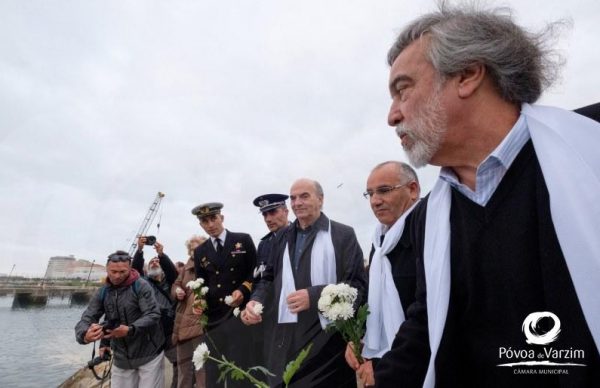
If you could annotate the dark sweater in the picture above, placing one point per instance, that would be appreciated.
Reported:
(505, 264)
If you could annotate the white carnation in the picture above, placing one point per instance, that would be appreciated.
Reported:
(346, 311)
(336, 301)
(195, 284)
(191, 284)
(204, 290)
(228, 300)
(258, 308)
(200, 355)
(236, 311)
(324, 302)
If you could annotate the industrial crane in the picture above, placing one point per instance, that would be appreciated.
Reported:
(147, 221)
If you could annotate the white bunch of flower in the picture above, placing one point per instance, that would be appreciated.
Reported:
(195, 284)
(258, 308)
(337, 301)
(200, 355)
(228, 300)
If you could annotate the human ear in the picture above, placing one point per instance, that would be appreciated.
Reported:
(471, 79)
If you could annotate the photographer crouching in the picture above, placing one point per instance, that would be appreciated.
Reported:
(131, 326)
(161, 274)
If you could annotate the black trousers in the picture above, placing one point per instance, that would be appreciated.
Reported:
(232, 339)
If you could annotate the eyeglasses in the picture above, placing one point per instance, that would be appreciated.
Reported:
(119, 257)
(382, 190)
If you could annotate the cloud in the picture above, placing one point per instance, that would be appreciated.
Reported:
(103, 104)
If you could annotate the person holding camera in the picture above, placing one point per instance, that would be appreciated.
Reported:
(131, 325)
(161, 274)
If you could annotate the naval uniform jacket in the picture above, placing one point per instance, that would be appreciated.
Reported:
(225, 273)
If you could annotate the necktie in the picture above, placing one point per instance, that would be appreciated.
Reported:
(219, 246)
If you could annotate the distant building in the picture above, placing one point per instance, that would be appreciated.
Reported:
(68, 267)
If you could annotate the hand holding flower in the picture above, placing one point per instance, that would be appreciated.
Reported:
(337, 305)
(200, 304)
(252, 314)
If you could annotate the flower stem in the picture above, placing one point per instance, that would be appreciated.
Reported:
(247, 375)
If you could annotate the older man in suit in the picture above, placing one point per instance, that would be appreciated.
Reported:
(311, 253)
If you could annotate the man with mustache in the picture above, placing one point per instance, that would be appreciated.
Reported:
(502, 236)
(392, 190)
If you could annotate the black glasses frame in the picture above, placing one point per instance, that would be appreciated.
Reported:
(383, 190)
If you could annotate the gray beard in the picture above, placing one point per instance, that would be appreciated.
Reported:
(426, 132)
(155, 272)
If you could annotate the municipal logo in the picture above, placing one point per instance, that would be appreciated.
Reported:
(530, 328)
(540, 329)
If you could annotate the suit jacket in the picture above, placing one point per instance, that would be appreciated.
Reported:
(325, 366)
(225, 273)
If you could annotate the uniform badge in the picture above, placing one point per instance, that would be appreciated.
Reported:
(204, 262)
(258, 271)
(238, 249)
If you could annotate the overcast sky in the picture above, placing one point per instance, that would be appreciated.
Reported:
(105, 103)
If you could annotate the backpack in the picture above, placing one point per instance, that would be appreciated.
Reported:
(104, 289)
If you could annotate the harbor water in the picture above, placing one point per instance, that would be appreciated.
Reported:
(38, 344)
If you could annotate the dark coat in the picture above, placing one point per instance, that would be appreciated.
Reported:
(226, 273)
(325, 366)
(162, 290)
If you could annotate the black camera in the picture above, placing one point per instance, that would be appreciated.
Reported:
(98, 360)
(150, 240)
(110, 324)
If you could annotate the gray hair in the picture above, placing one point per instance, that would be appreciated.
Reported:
(405, 171)
(521, 64)
(318, 188)
(188, 242)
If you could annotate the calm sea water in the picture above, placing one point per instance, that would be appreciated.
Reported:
(38, 347)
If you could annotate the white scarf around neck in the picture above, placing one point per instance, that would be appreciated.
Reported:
(322, 272)
(386, 313)
(566, 147)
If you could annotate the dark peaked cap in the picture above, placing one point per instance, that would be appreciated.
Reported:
(268, 202)
(207, 209)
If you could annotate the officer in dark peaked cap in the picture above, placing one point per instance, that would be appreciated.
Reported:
(226, 262)
(275, 213)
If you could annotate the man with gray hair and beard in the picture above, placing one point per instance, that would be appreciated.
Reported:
(161, 274)
(507, 256)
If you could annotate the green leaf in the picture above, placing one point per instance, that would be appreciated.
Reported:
(237, 374)
(293, 366)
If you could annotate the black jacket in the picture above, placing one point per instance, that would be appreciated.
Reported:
(232, 270)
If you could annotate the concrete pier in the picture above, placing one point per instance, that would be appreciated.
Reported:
(37, 296)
